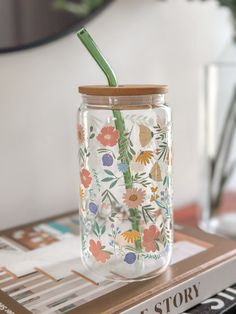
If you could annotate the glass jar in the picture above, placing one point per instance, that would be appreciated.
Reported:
(124, 136)
(219, 187)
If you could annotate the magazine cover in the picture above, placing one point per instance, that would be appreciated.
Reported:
(41, 271)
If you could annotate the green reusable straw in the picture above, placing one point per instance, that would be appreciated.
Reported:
(92, 48)
(97, 56)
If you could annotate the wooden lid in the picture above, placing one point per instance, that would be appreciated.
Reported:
(123, 90)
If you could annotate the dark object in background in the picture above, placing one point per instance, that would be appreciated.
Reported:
(222, 303)
(29, 23)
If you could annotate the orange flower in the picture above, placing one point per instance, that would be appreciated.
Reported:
(152, 198)
(150, 235)
(85, 177)
(131, 236)
(108, 136)
(154, 189)
(134, 197)
(80, 134)
(81, 192)
(98, 253)
(145, 157)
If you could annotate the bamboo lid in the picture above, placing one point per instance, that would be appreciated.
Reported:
(123, 90)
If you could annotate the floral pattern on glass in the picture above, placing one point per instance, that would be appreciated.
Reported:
(134, 222)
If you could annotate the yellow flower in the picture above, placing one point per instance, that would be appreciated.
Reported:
(145, 157)
(152, 198)
(81, 193)
(131, 235)
(154, 189)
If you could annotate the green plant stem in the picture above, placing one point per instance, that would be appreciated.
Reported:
(120, 126)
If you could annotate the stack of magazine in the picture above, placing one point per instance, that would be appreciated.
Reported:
(41, 272)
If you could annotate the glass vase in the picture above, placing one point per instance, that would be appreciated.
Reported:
(124, 138)
(219, 196)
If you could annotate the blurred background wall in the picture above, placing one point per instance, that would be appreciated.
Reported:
(146, 42)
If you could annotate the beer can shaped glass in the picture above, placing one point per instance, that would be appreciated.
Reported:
(125, 159)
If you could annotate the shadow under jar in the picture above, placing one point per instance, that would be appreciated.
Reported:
(124, 136)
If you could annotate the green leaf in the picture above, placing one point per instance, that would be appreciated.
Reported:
(165, 180)
(149, 216)
(107, 179)
(130, 155)
(130, 248)
(160, 204)
(132, 151)
(108, 252)
(103, 229)
(144, 215)
(97, 227)
(109, 172)
(113, 184)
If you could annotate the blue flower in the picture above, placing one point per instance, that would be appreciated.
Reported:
(130, 258)
(93, 208)
(107, 160)
(122, 167)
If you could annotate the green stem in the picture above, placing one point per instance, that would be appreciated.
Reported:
(120, 126)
